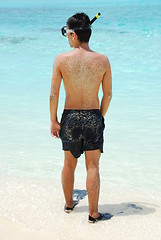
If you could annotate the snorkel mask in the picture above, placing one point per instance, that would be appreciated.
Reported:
(64, 29)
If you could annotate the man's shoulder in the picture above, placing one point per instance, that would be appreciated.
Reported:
(60, 57)
(103, 57)
(58, 60)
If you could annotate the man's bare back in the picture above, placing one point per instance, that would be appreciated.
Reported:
(82, 72)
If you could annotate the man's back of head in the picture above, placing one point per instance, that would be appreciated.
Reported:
(80, 23)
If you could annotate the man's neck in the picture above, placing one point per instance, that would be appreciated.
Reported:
(82, 46)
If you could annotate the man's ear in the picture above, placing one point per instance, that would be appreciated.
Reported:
(74, 36)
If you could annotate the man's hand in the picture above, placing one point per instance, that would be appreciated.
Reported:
(55, 129)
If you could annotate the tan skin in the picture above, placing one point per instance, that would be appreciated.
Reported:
(82, 71)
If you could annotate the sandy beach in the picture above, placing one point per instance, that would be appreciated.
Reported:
(31, 161)
(34, 209)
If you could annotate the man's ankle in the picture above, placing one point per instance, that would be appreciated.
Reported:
(94, 214)
(70, 204)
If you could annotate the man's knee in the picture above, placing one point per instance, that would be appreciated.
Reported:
(92, 159)
(68, 164)
(94, 167)
(92, 164)
(69, 161)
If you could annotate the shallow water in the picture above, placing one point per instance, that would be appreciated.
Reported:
(129, 34)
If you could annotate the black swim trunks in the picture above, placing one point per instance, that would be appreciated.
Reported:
(82, 130)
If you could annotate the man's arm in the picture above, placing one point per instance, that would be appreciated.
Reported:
(107, 89)
(55, 87)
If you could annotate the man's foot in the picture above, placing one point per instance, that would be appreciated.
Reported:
(68, 209)
(93, 220)
(102, 216)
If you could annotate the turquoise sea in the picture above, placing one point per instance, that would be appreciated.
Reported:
(129, 33)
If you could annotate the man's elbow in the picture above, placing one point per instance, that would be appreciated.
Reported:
(53, 96)
(108, 96)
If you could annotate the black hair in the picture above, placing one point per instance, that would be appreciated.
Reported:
(80, 20)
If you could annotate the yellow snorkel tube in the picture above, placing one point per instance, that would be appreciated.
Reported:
(95, 18)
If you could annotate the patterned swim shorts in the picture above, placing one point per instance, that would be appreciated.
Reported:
(82, 130)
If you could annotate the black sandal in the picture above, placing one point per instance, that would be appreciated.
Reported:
(93, 220)
(103, 216)
(68, 209)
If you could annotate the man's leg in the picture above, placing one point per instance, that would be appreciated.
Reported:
(93, 180)
(68, 177)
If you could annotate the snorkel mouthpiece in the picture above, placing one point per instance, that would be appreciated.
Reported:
(95, 18)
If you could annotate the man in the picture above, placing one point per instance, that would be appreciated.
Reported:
(82, 123)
